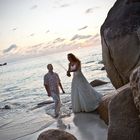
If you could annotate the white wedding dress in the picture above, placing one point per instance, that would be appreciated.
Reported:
(84, 97)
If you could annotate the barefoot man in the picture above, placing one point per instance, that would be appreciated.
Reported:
(52, 84)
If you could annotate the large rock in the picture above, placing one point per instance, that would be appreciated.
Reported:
(56, 134)
(135, 87)
(124, 123)
(103, 107)
(120, 37)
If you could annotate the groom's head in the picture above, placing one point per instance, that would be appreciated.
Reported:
(50, 67)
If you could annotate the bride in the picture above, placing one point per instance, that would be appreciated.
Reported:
(84, 97)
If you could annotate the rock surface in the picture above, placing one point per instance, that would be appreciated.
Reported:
(124, 123)
(56, 134)
(103, 107)
(97, 83)
(103, 68)
(135, 87)
(120, 37)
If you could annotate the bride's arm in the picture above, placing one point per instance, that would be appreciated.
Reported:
(68, 72)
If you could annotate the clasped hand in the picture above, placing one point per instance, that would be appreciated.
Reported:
(68, 73)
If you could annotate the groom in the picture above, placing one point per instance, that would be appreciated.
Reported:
(52, 84)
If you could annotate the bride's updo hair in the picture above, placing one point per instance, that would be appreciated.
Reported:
(73, 58)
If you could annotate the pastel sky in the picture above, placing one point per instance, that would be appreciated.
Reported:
(36, 27)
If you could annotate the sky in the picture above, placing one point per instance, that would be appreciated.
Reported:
(31, 28)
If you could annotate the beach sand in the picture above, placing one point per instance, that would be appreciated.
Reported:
(84, 126)
(27, 125)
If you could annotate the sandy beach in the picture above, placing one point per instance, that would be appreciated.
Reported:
(84, 126)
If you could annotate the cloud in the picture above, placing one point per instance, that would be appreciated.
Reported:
(80, 37)
(32, 34)
(47, 31)
(93, 41)
(83, 28)
(60, 4)
(96, 36)
(64, 5)
(14, 29)
(90, 10)
(58, 40)
(33, 7)
(10, 48)
(37, 45)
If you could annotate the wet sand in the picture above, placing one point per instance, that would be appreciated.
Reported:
(84, 126)
(27, 125)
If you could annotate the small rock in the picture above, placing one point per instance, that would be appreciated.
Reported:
(6, 107)
(56, 134)
(103, 68)
(97, 83)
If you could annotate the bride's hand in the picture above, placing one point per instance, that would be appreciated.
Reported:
(68, 74)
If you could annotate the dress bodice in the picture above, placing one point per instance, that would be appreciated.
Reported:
(73, 67)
